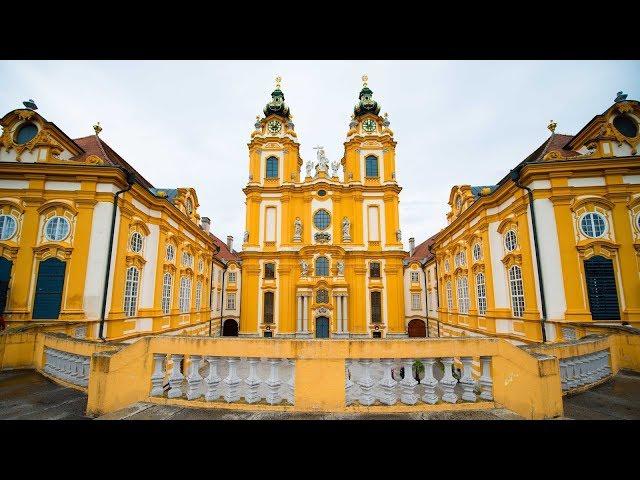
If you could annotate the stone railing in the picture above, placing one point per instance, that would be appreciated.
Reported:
(372, 381)
(583, 370)
(69, 367)
(228, 379)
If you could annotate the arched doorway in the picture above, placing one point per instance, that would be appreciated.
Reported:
(601, 288)
(230, 328)
(5, 276)
(49, 286)
(417, 328)
(322, 327)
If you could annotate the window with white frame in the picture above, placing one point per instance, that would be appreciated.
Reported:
(171, 253)
(184, 301)
(198, 295)
(593, 224)
(510, 241)
(131, 284)
(57, 229)
(167, 284)
(415, 277)
(517, 291)
(481, 294)
(231, 301)
(187, 259)
(463, 295)
(8, 227)
(477, 252)
(449, 297)
(135, 242)
(232, 277)
(415, 301)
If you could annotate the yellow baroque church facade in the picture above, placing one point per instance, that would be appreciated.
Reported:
(322, 254)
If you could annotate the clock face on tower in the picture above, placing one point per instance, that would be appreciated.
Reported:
(369, 125)
(274, 126)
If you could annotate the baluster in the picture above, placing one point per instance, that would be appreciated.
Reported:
(291, 383)
(607, 368)
(273, 383)
(47, 360)
(448, 382)
(408, 384)
(466, 381)
(584, 370)
(65, 366)
(592, 367)
(348, 384)
(486, 381)
(232, 381)
(563, 374)
(86, 363)
(599, 365)
(176, 378)
(53, 362)
(572, 381)
(429, 382)
(366, 383)
(73, 370)
(387, 385)
(194, 380)
(157, 378)
(253, 382)
(213, 380)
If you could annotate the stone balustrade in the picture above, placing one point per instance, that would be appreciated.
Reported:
(223, 379)
(369, 381)
(69, 367)
(581, 370)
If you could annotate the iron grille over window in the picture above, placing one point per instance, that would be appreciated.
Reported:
(268, 307)
(376, 307)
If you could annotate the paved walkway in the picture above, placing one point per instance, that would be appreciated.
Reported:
(27, 395)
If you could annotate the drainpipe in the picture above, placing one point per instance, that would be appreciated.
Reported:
(437, 289)
(224, 274)
(515, 176)
(130, 181)
(426, 295)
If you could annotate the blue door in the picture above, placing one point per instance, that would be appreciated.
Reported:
(49, 289)
(5, 275)
(322, 327)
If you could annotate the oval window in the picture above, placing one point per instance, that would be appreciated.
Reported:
(170, 252)
(8, 227)
(322, 193)
(510, 241)
(26, 133)
(593, 224)
(136, 242)
(56, 229)
(321, 219)
(626, 125)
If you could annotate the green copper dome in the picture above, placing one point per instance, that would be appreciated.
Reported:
(277, 106)
(367, 104)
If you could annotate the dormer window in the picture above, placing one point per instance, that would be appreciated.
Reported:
(626, 125)
(458, 203)
(189, 206)
(26, 133)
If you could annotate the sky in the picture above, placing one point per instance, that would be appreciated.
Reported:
(188, 123)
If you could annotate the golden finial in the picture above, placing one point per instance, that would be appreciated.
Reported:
(552, 126)
(97, 128)
(278, 80)
(365, 79)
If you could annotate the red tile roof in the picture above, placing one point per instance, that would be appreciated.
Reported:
(421, 252)
(224, 253)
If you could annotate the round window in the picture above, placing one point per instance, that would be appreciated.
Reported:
(8, 227)
(626, 125)
(593, 224)
(26, 133)
(322, 193)
(136, 242)
(171, 252)
(510, 241)
(477, 252)
(638, 221)
(56, 229)
(321, 219)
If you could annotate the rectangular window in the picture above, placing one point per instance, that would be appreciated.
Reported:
(415, 301)
(374, 230)
(517, 291)
(415, 277)
(231, 301)
(376, 307)
(131, 291)
(268, 307)
(185, 295)
(449, 297)
(232, 277)
(198, 295)
(272, 167)
(371, 166)
(268, 334)
(269, 270)
(463, 295)
(270, 224)
(374, 269)
(166, 293)
(377, 334)
(481, 294)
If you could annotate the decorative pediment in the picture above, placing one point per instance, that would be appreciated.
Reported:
(9, 250)
(511, 259)
(581, 203)
(597, 246)
(52, 249)
(508, 223)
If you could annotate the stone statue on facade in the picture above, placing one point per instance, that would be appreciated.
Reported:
(346, 226)
(309, 168)
(297, 230)
(340, 266)
(304, 268)
(398, 235)
(246, 236)
(323, 161)
(334, 168)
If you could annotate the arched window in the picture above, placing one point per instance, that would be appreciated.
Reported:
(8, 226)
(481, 294)
(26, 133)
(171, 253)
(131, 291)
(167, 284)
(272, 167)
(322, 267)
(449, 297)
(198, 295)
(135, 243)
(185, 294)
(626, 125)
(477, 252)
(463, 295)
(517, 291)
(268, 307)
(510, 241)
(371, 166)
(376, 307)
